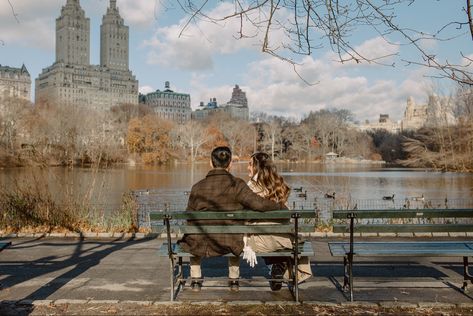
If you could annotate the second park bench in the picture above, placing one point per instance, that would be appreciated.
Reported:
(419, 222)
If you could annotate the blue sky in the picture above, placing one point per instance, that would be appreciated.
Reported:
(207, 61)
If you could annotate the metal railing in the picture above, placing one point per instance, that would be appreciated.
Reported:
(175, 200)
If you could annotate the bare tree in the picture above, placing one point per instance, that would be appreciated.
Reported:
(239, 135)
(464, 103)
(191, 136)
(330, 129)
(272, 135)
(289, 28)
(302, 141)
(12, 112)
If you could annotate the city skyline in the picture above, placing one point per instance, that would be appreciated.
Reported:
(207, 61)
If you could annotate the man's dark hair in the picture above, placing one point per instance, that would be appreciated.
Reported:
(221, 157)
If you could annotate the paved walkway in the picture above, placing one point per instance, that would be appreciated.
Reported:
(97, 271)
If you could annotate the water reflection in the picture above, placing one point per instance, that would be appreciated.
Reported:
(350, 182)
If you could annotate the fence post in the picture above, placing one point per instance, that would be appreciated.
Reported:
(351, 216)
(296, 254)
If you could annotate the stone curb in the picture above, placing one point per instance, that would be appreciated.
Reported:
(359, 304)
(89, 235)
(281, 303)
(398, 305)
(321, 303)
(103, 302)
(465, 305)
(385, 304)
(92, 235)
(217, 303)
(141, 303)
(435, 304)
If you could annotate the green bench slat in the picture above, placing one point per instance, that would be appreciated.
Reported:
(236, 215)
(403, 228)
(305, 249)
(433, 249)
(423, 213)
(4, 245)
(235, 229)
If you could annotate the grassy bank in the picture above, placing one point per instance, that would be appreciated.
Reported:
(32, 207)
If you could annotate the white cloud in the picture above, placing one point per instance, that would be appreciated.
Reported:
(146, 89)
(177, 53)
(33, 25)
(272, 86)
(193, 46)
(466, 63)
(141, 13)
(203, 94)
(376, 50)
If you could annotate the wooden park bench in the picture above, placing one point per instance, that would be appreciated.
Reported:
(397, 223)
(174, 223)
(4, 244)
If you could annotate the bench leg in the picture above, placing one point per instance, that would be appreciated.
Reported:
(180, 271)
(171, 263)
(177, 278)
(293, 286)
(466, 274)
(345, 274)
(296, 278)
(348, 275)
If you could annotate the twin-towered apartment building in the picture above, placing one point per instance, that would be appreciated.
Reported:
(72, 80)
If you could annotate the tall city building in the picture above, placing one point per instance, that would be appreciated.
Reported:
(438, 112)
(236, 108)
(384, 122)
(414, 116)
(73, 35)
(238, 97)
(15, 82)
(71, 80)
(169, 105)
(113, 40)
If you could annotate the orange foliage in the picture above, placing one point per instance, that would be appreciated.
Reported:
(217, 138)
(149, 136)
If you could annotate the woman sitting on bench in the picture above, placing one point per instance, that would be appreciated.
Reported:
(266, 182)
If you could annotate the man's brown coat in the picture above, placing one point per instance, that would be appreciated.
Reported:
(221, 191)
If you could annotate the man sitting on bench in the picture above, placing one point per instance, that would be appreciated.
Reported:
(220, 191)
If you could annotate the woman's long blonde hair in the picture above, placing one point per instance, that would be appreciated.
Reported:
(268, 179)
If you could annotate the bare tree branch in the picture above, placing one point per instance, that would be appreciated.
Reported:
(470, 22)
(15, 15)
(333, 23)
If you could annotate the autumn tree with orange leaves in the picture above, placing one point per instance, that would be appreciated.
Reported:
(149, 137)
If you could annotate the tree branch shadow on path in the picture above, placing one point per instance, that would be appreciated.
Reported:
(45, 265)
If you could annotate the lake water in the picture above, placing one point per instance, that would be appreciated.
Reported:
(157, 186)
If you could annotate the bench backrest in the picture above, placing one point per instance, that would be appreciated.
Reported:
(176, 221)
(404, 221)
